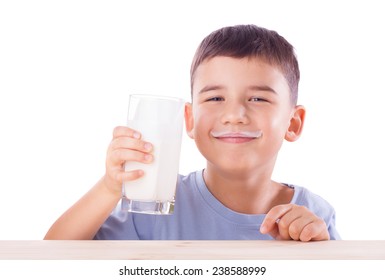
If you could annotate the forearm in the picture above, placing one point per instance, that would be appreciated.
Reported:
(85, 217)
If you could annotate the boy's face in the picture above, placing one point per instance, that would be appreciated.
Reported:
(241, 112)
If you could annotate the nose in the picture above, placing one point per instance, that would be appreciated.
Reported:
(235, 112)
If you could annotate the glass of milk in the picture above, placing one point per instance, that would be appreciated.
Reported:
(160, 121)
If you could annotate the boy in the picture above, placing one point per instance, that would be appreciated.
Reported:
(244, 84)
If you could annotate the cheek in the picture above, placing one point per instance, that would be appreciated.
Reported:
(200, 127)
(202, 120)
(275, 126)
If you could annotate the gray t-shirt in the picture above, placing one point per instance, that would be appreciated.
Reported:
(198, 215)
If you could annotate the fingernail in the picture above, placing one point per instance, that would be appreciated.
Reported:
(136, 135)
(148, 157)
(148, 146)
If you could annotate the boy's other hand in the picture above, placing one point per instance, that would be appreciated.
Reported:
(294, 222)
(126, 145)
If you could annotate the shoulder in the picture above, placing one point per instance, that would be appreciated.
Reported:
(188, 179)
(189, 188)
(188, 183)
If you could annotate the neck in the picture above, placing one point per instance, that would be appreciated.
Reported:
(248, 192)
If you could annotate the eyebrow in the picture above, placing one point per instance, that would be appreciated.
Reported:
(252, 88)
(262, 88)
(210, 88)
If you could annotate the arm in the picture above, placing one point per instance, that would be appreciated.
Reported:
(294, 222)
(86, 216)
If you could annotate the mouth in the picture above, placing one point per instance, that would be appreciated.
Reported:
(237, 137)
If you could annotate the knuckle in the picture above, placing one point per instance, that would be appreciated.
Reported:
(117, 131)
(118, 155)
(301, 208)
(119, 143)
(307, 233)
(294, 230)
(120, 131)
(114, 144)
(320, 222)
(284, 225)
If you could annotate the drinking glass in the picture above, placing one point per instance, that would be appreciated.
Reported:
(160, 121)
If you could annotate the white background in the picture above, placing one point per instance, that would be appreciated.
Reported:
(67, 68)
(110, 269)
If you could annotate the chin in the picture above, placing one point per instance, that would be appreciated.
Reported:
(235, 168)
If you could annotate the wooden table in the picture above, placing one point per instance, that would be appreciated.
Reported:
(192, 250)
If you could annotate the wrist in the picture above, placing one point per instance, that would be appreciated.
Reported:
(112, 188)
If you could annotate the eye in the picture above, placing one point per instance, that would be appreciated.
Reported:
(216, 98)
(258, 99)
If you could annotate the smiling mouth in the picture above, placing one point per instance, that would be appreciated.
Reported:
(237, 137)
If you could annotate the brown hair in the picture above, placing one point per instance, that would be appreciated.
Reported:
(250, 41)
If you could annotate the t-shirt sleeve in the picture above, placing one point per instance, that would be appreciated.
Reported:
(334, 235)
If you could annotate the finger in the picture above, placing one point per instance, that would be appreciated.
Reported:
(291, 223)
(130, 143)
(121, 176)
(120, 131)
(130, 175)
(118, 157)
(316, 230)
(297, 226)
(275, 213)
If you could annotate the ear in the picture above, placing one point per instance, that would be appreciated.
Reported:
(189, 120)
(296, 124)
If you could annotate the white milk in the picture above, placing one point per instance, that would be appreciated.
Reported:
(159, 181)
